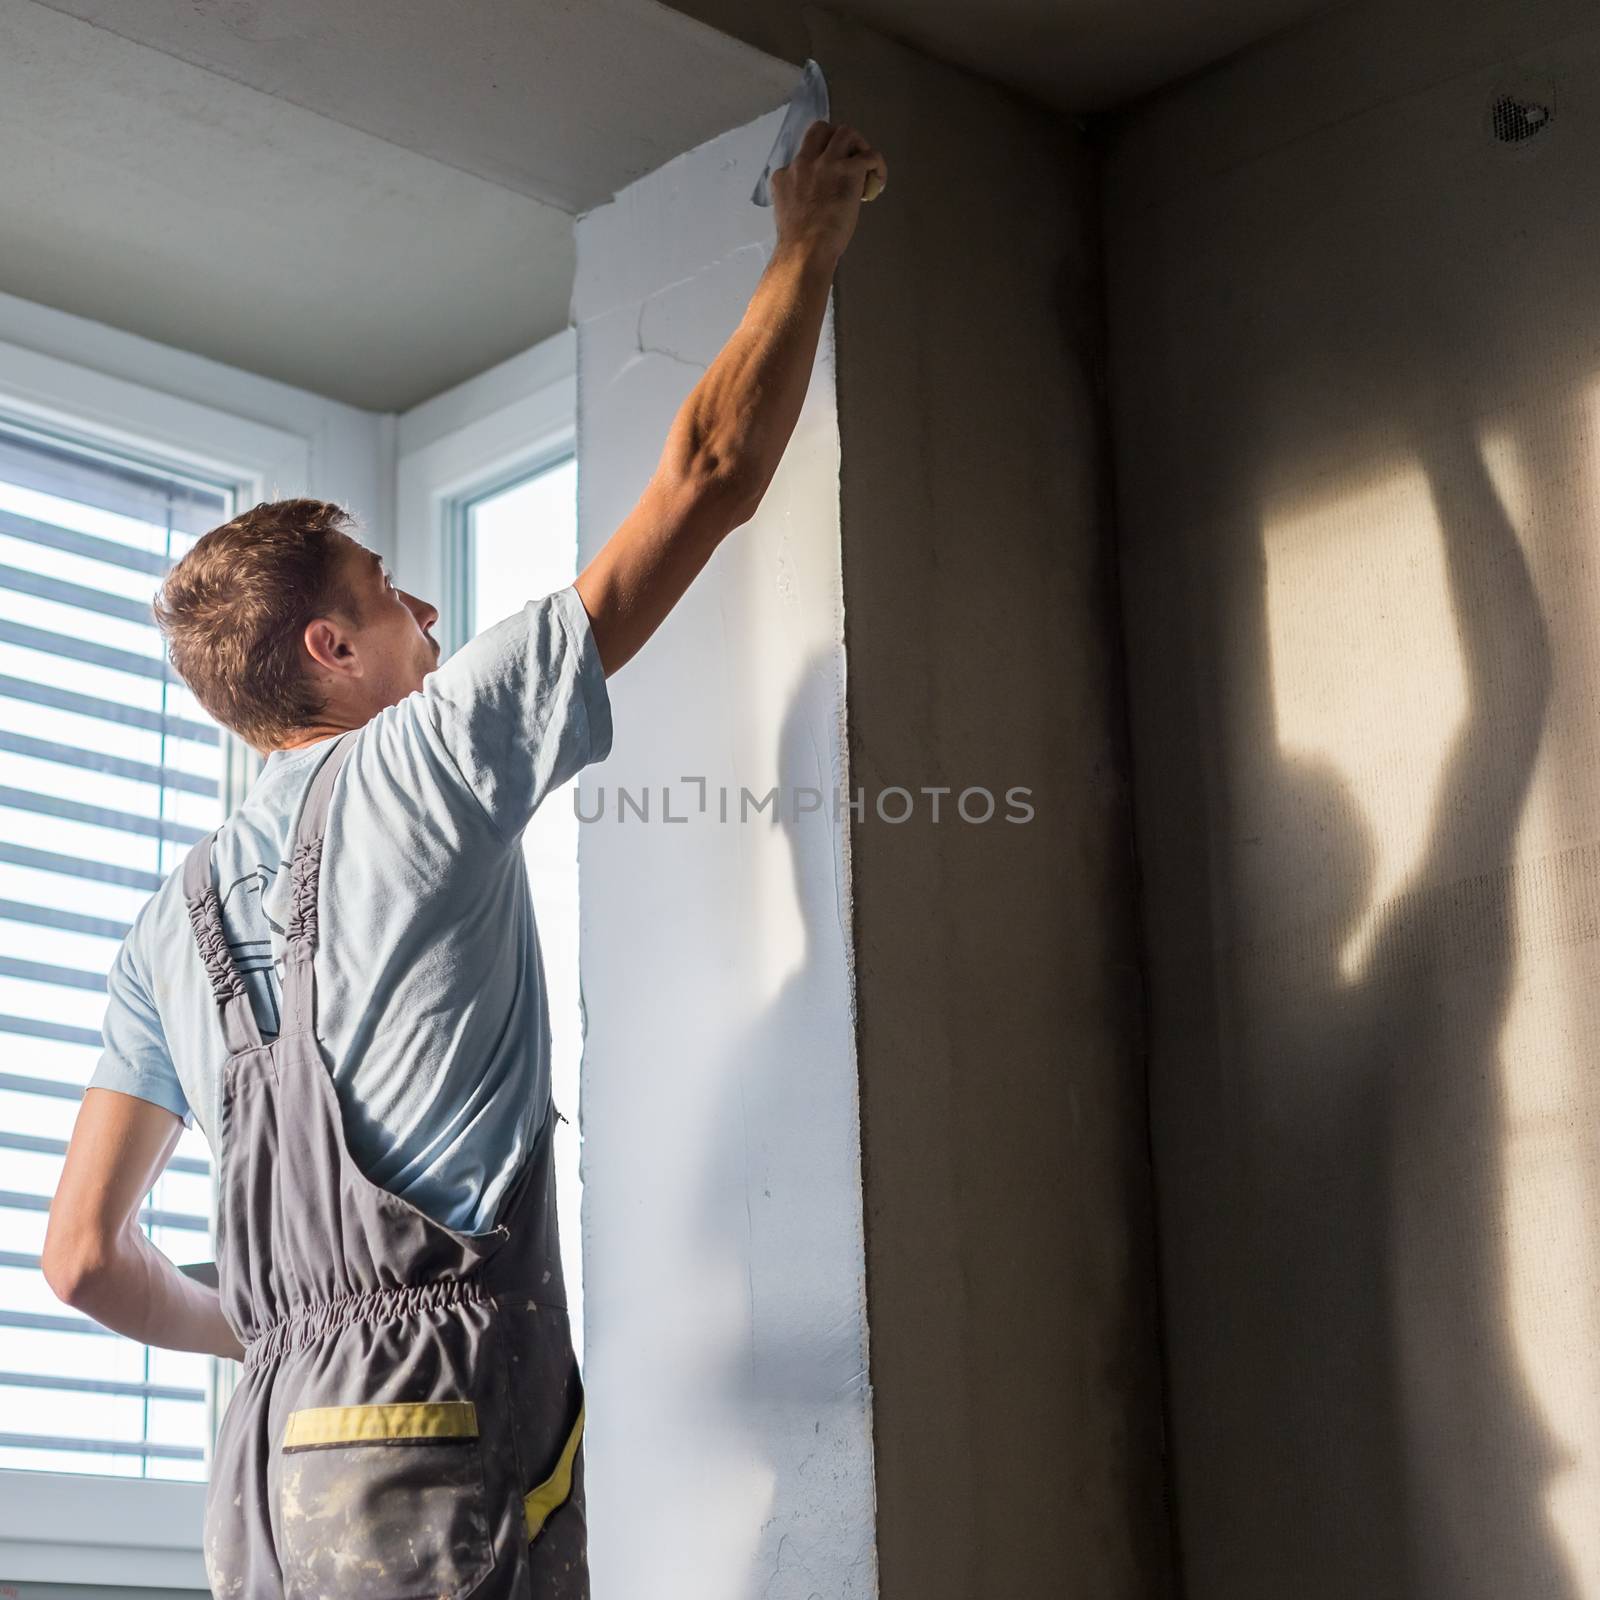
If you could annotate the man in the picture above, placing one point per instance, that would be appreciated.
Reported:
(375, 1088)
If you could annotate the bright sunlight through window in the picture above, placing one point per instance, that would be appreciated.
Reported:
(521, 544)
(108, 771)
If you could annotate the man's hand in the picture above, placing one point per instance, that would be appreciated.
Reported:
(96, 1258)
(730, 434)
(818, 196)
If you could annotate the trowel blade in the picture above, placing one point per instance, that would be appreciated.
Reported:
(808, 104)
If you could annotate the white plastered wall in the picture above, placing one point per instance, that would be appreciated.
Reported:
(729, 1444)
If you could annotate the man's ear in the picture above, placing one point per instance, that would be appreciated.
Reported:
(330, 646)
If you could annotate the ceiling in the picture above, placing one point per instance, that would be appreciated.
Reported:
(1077, 55)
(375, 264)
(564, 101)
(373, 198)
(141, 192)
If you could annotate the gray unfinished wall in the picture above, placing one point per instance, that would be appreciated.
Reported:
(1356, 351)
(1009, 1273)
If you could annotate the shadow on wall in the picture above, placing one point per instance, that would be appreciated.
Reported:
(767, 1200)
(1399, 1450)
(1365, 357)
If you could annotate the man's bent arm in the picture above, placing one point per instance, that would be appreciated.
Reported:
(97, 1259)
(730, 434)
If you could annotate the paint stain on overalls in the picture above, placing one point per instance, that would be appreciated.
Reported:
(408, 1423)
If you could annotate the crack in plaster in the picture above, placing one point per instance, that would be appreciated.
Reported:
(660, 349)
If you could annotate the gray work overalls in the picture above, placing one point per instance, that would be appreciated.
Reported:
(408, 1422)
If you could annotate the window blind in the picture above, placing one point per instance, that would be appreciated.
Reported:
(108, 771)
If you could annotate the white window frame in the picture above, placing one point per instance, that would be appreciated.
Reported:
(75, 400)
(490, 432)
(77, 1528)
(459, 579)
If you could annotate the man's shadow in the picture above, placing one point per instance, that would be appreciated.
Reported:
(1397, 1448)
(781, 1200)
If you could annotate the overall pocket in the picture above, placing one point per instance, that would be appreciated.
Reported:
(540, 1503)
(383, 1502)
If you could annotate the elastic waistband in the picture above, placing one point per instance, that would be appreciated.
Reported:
(305, 1327)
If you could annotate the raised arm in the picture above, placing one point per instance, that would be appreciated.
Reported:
(95, 1256)
(730, 434)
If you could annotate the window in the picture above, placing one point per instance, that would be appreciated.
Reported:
(516, 542)
(108, 771)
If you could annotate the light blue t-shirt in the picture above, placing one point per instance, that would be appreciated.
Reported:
(431, 1008)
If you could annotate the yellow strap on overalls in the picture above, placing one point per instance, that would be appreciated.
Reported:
(554, 1490)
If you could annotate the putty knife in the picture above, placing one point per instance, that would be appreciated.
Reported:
(808, 104)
